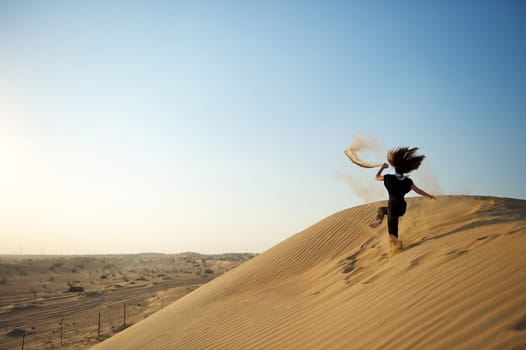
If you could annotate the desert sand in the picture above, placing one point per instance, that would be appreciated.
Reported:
(460, 284)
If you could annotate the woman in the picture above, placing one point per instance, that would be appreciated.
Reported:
(404, 160)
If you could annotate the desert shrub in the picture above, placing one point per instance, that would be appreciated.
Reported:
(21, 271)
(209, 271)
(17, 332)
(75, 289)
(3, 280)
(117, 329)
(56, 265)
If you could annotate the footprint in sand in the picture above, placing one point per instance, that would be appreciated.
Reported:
(350, 263)
(417, 261)
(487, 238)
(521, 325)
(456, 252)
(477, 242)
(482, 240)
(517, 230)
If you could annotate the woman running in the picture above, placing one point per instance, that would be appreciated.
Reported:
(404, 160)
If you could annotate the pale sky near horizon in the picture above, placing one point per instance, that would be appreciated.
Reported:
(219, 126)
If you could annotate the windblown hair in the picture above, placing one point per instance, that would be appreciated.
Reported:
(404, 159)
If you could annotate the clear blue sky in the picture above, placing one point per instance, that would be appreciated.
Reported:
(214, 126)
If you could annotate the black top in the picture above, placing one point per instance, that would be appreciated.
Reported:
(396, 187)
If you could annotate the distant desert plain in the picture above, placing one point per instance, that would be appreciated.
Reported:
(73, 302)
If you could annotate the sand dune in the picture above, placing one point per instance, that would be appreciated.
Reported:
(461, 284)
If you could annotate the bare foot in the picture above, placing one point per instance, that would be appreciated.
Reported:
(395, 243)
(376, 223)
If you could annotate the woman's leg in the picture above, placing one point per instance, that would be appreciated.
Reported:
(382, 211)
(392, 225)
(395, 209)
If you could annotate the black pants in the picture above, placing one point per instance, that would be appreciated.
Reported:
(393, 211)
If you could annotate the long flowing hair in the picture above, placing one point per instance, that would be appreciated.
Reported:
(404, 159)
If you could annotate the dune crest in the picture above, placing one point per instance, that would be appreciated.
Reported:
(461, 283)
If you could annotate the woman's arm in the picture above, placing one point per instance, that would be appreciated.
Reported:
(379, 175)
(422, 192)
